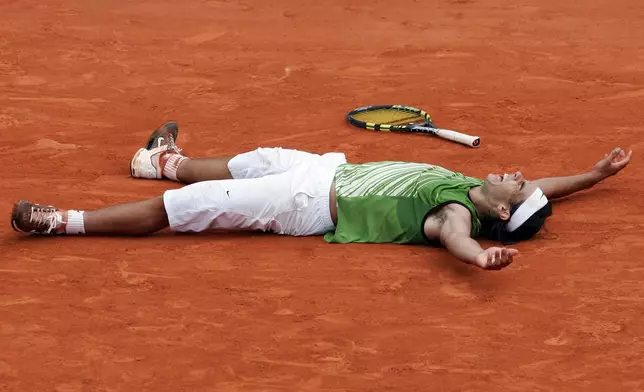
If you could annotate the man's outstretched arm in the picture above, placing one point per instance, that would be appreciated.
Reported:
(611, 164)
(455, 236)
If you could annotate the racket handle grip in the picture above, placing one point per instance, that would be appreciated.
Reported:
(471, 141)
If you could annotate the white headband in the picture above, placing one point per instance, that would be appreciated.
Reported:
(531, 205)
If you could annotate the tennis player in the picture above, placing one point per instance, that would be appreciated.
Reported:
(291, 192)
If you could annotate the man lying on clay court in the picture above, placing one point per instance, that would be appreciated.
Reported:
(297, 193)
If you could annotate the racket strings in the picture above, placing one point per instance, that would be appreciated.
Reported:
(389, 116)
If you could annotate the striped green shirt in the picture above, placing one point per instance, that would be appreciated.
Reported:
(389, 201)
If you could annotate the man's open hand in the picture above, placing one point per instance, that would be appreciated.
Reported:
(612, 163)
(496, 258)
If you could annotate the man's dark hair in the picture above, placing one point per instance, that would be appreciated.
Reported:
(496, 229)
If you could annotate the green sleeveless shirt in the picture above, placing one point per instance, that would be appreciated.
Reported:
(388, 202)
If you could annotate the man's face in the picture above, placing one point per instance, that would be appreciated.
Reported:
(505, 190)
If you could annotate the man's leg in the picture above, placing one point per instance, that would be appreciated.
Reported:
(167, 162)
(266, 204)
(203, 169)
(253, 164)
(162, 159)
(137, 218)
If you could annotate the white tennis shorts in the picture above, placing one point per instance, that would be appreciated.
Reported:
(273, 190)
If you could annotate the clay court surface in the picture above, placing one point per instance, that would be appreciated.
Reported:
(549, 85)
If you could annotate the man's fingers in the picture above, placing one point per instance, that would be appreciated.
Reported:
(512, 252)
(507, 255)
(494, 261)
(614, 153)
(624, 161)
(498, 258)
(502, 259)
(628, 156)
(619, 155)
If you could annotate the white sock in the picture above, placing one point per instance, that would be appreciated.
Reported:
(75, 222)
(171, 166)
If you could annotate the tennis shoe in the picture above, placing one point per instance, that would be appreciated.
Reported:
(147, 161)
(27, 217)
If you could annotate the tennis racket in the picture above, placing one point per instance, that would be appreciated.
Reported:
(400, 118)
